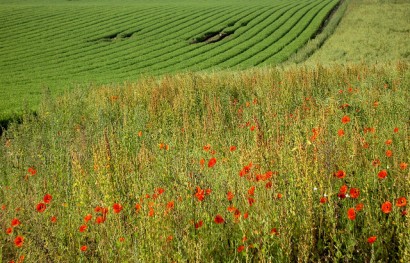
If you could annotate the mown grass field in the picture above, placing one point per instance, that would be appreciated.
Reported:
(56, 45)
(296, 163)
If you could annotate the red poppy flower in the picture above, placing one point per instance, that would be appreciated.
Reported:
(260, 177)
(268, 175)
(200, 193)
(82, 228)
(47, 198)
(18, 241)
(359, 207)
(340, 174)
(230, 196)
(386, 207)
(341, 196)
(345, 119)
(341, 133)
(137, 207)
(163, 146)
(354, 192)
(351, 214)
(382, 174)
(274, 232)
(388, 142)
(41, 207)
(9, 231)
(231, 209)
(99, 220)
(371, 239)
(403, 166)
(404, 212)
(53, 219)
(83, 248)
(87, 218)
(401, 201)
(343, 189)
(202, 162)
(315, 134)
(117, 208)
(212, 162)
(396, 130)
(219, 219)
(32, 171)
(245, 170)
(207, 147)
(15, 222)
(251, 191)
(199, 224)
(323, 200)
(232, 148)
(389, 153)
(170, 205)
(251, 201)
(268, 185)
(151, 212)
(241, 248)
(279, 196)
(159, 190)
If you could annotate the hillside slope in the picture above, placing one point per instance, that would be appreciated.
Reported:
(55, 46)
(371, 31)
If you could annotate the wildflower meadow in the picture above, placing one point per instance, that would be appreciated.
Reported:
(306, 164)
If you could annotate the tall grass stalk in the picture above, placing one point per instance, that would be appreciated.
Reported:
(147, 146)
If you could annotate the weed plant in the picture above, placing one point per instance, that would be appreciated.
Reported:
(303, 164)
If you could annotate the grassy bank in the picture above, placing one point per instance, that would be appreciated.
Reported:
(371, 31)
(265, 165)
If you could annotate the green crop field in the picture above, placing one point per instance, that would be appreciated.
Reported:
(58, 44)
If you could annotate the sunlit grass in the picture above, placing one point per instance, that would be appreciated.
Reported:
(265, 165)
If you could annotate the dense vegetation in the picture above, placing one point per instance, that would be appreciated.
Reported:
(304, 163)
(372, 31)
(55, 45)
(307, 164)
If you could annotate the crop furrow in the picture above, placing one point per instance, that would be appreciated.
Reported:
(208, 52)
(268, 35)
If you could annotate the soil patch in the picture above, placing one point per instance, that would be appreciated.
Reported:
(115, 36)
(327, 19)
(211, 37)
